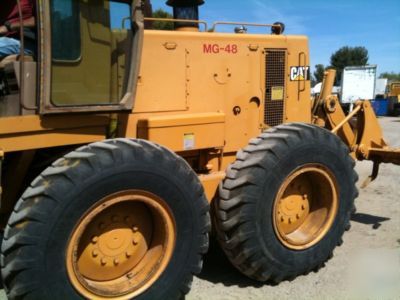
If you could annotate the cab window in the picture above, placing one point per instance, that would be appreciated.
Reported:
(65, 30)
(91, 40)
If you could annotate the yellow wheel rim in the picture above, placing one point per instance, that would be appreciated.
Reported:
(121, 246)
(305, 207)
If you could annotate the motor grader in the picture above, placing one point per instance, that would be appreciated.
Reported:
(121, 146)
(394, 98)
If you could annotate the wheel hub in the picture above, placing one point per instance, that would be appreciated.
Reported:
(294, 206)
(121, 246)
(305, 206)
(116, 244)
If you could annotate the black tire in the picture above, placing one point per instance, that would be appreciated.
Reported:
(244, 210)
(36, 237)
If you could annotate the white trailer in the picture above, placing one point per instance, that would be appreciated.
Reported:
(381, 86)
(358, 83)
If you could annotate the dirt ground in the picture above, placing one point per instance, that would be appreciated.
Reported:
(366, 266)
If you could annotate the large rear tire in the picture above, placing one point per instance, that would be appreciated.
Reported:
(119, 219)
(286, 202)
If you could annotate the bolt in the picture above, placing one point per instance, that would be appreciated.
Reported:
(116, 261)
(305, 196)
(103, 261)
(95, 253)
(282, 219)
(128, 253)
(303, 207)
(134, 242)
(135, 229)
(95, 239)
(297, 216)
(290, 221)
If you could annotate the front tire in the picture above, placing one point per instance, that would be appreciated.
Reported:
(119, 219)
(286, 202)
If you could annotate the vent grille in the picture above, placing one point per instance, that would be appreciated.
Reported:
(275, 63)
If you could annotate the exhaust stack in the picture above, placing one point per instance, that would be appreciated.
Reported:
(186, 10)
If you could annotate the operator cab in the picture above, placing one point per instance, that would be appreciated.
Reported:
(85, 60)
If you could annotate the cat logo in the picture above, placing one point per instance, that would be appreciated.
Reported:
(300, 73)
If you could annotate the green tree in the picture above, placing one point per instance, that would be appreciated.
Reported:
(161, 25)
(346, 57)
(319, 73)
(392, 76)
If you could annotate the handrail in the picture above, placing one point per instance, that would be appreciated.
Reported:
(179, 21)
(22, 59)
(215, 24)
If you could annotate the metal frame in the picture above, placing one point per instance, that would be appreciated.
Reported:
(127, 101)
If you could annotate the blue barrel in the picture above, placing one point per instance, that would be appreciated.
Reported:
(380, 106)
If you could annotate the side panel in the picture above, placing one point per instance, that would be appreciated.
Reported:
(185, 132)
(34, 132)
(298, 95)
(163, 79)
(201, 72)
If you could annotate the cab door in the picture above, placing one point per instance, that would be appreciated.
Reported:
(91, 55)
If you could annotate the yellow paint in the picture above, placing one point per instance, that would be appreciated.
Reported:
(184, 132)
(210, 183)
(210, 80)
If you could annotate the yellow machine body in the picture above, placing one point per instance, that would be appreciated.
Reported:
(203, 95)
(127, 216)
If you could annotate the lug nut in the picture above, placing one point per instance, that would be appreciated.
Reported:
(95, 253)
(128, 254)
(305, 196)
(116, 261)
(297, 216)
(95, 239)
(135, 229)
(134, 242)
(282, 219)
(303, 207)
(103, 261)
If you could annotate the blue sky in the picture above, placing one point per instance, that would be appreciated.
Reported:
(329, 24)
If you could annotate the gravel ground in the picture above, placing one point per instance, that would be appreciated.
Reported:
(366, 266)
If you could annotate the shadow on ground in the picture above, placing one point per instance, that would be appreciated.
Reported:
(218, 269)
(367, 219)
